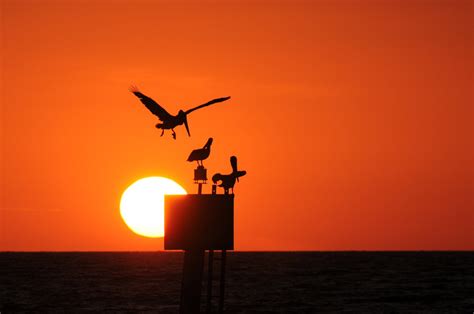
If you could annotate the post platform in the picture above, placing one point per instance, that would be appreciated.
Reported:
(199, 221)
(196, 223)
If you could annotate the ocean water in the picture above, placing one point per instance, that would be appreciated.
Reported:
(257, 282)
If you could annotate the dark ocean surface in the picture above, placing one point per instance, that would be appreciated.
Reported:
(262, 282)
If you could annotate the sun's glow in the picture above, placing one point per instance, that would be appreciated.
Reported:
(142, 205)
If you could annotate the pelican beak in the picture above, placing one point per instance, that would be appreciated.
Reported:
(186, 125)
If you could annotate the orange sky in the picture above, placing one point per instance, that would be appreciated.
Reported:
(353, 119)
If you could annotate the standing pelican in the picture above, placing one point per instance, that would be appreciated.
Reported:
(201, 153)
(170, 121)
(228, 180)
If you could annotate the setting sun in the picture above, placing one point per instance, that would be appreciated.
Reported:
(142, 205)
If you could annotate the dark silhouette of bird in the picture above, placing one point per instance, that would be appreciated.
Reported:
(201, 154)
(228, 180)
(170, 121)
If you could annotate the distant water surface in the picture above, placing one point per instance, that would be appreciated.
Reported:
(257, 282)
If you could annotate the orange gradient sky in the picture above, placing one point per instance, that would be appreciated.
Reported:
(353, 119)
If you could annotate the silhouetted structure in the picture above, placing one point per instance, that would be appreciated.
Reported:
(197, 223)
(228, 180)
(170, 121)
(201, 154)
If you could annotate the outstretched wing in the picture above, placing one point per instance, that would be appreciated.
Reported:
(233, 163)
(239, 174)
(152, 105)
(208, 104)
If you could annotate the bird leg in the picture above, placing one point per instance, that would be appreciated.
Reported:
(162, 132)
(173, 134)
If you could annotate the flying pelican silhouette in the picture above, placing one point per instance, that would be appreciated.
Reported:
(228, 180)
(170, 121)
(201, 154)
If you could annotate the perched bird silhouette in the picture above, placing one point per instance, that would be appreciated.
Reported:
(170, 121)
(201, 153)
(228, 180)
